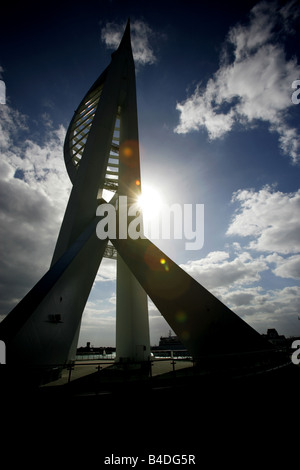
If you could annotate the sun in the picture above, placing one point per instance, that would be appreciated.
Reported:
(150, 202)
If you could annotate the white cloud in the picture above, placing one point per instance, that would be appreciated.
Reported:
(254, 86)
(217, 271)
(237, 282)
(11, 123)
(98, 325)
(278, 308)
(271, 222)
(243, 297)
(141, 35)
(271, 217)
(107, 271)
(34, 189)
(286, 267)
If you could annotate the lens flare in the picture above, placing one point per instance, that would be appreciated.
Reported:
(181, 316)
(127, 152)
(164, 264)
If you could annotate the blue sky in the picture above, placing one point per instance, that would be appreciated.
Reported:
(217, 127)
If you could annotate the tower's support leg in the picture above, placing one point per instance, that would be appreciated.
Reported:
(40, 332)
(132, 325)
(202, 322)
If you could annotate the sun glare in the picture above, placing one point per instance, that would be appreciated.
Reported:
(150, 202)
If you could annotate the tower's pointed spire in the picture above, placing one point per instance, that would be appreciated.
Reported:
(127, 29)
(126, 39)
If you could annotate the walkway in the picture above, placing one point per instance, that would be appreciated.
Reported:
(84, 368)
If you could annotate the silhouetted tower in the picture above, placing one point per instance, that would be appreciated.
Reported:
(102, 153)
(102, 158)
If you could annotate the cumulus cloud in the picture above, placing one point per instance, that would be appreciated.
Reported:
(217, 271)
(285, 267)
(141, 35)
(12, 122)
(236, 280)
(241, 276)
(270, 222)
(252, 84)
(243, 297)
(277, 308)
(34, 190)
(98, 325)
(108, 271)
(271, 218)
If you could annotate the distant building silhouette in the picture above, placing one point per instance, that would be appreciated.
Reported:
(273, 337)
(171, 343)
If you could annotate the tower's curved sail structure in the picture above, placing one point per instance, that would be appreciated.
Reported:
(78, 133)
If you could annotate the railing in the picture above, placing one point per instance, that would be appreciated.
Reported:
(163, 364)
(168, 361)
